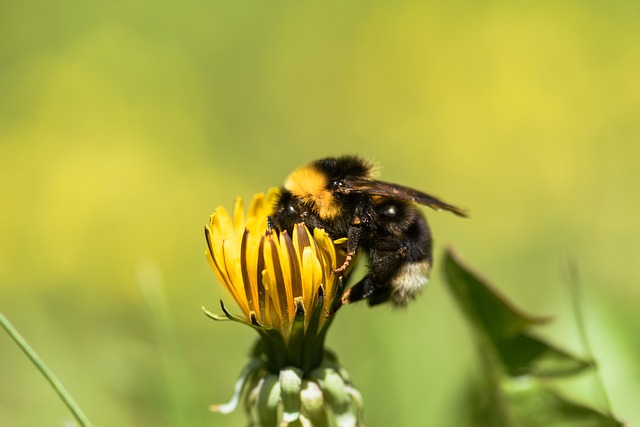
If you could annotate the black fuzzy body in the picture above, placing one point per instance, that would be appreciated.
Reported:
(392, 232)
(400, 238)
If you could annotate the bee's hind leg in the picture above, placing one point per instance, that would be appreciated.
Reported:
(366, 289)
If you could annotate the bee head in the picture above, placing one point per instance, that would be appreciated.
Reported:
(318, 184)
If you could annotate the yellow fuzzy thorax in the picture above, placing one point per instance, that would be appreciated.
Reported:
(310, 185)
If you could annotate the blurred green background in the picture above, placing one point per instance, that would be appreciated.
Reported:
(124, 124)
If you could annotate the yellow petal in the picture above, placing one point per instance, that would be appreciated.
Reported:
(255, 221)
(274, 285)
(238, 216)
(232, 267)
(311, 277)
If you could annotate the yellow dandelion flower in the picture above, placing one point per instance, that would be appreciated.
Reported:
(274, 278)
(286, 289)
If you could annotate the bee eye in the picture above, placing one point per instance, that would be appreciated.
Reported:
(390, 211)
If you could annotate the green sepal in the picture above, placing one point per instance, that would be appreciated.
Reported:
(254, 321)
(268, 398)
(257, 350)
(290, 386)
(336, 303)
(245, 378)
(227, 315)
(314, 321)
(297, 335)
(318, 345)
(274, 347)
(319, 350)
(313, 343)
(329, 358)
(335, 390)
(250, 398)
(358, 402)
(313, 404)
(214, 316)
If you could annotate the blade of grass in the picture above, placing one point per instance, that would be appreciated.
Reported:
(48, 374)
(578, 303)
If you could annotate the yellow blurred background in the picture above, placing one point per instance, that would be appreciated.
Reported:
(124, 124)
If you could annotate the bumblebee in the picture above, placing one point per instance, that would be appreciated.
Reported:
(341, 196)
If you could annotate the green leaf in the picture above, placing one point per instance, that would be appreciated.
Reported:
(533, 405)
(513, 391)
(526, 354)
(483, 306)
(502, 327)
(526, 402)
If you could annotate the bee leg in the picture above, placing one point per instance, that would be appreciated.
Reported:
(361, 290)
(386, 258)
(367, 289)
(375, 286)
(346, 263)
(345, 296)
(353, 238)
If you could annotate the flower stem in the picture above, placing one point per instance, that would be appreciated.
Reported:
(48, 374)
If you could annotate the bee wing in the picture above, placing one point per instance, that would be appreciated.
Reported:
(399, 192)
